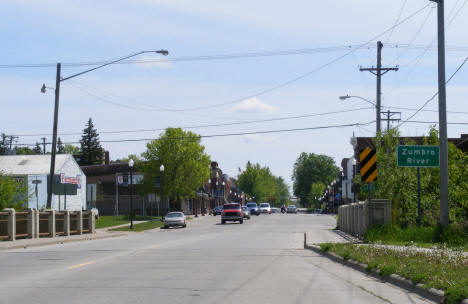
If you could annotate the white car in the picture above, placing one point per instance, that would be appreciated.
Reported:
(265, 208)
(175, 219)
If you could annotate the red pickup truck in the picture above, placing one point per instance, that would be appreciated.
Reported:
(232, 212)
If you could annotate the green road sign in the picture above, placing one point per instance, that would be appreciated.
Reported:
(418, 156)
(367, 187)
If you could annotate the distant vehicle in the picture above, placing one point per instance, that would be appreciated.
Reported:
(274, 210)
(253, 208)
(217, 210)
(265, 208)
(292, 209)
(175, 219)
(246, 212)
(232, 212)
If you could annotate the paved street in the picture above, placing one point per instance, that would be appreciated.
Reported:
(261, 261)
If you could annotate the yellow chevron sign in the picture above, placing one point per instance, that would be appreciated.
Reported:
(368, 162)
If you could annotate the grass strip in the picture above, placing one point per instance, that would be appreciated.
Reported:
(427, 237)
(141, 226)
(110, 220)
(441, 269)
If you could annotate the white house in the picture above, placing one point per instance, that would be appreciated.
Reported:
(35, 169)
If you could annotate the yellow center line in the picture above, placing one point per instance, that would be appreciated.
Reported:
(80, 265)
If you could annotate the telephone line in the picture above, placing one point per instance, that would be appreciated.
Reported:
(211, 125)
(230, 134)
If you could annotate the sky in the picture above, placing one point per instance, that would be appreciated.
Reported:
(290, 59)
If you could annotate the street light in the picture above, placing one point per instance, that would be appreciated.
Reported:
(58, 80)
(131, 163)
(161, 168)
(377, 109)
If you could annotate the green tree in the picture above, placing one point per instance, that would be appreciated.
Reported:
(186, 165)
(3, 145)
(37, 149)
(311, 168)
(400, 184)
(90, 150)
(70, 149)
(261, 185)
(13, 194)
(23, 151)
(316, 191)
(60, 147)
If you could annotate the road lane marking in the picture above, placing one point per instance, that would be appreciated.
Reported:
(80, 265)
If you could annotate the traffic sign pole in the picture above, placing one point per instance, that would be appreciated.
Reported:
(419, 198)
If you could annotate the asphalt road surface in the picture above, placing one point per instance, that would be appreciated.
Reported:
(260, 261)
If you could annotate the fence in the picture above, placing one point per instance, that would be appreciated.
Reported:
(34, 224)
(357, 217)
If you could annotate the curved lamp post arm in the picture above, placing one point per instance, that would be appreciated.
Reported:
(362, 98)
(163, 52)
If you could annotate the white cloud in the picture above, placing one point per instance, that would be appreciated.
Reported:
(255, 105)
(150, 61)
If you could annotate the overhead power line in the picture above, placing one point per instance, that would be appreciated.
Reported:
(435, 94)
(302, 76)
(327, 49)
(230, 134)
(210, 125)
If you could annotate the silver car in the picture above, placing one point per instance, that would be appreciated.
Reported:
(175, 219)
(292, 209)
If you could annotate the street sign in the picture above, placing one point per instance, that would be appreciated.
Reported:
(418, 156)
(65, 189)
(368, 163)
(36, 181)
(369, 186)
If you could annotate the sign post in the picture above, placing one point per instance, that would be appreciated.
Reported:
(36, 182)
(418, 156)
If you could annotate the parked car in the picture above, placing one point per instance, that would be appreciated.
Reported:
(217, 210)
(246, 212)
(232, 212)
(291, 209)
(265, 208)
(175, 219)
(274, 210)
(253, 208)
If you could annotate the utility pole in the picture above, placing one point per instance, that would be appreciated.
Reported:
(54, 138)
(378, 72)
(43, 145)
(444, 212)
(389, 118)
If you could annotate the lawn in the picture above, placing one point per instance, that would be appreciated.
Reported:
(142, 226)
(446, 270)
(110, 220)
(427, 237)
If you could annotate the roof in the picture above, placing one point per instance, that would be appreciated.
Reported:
(99, 170)
(31, 164)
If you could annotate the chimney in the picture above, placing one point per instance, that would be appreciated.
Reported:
(106, 158)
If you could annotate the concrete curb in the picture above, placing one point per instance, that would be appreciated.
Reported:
(62, 240)
(431, 294)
